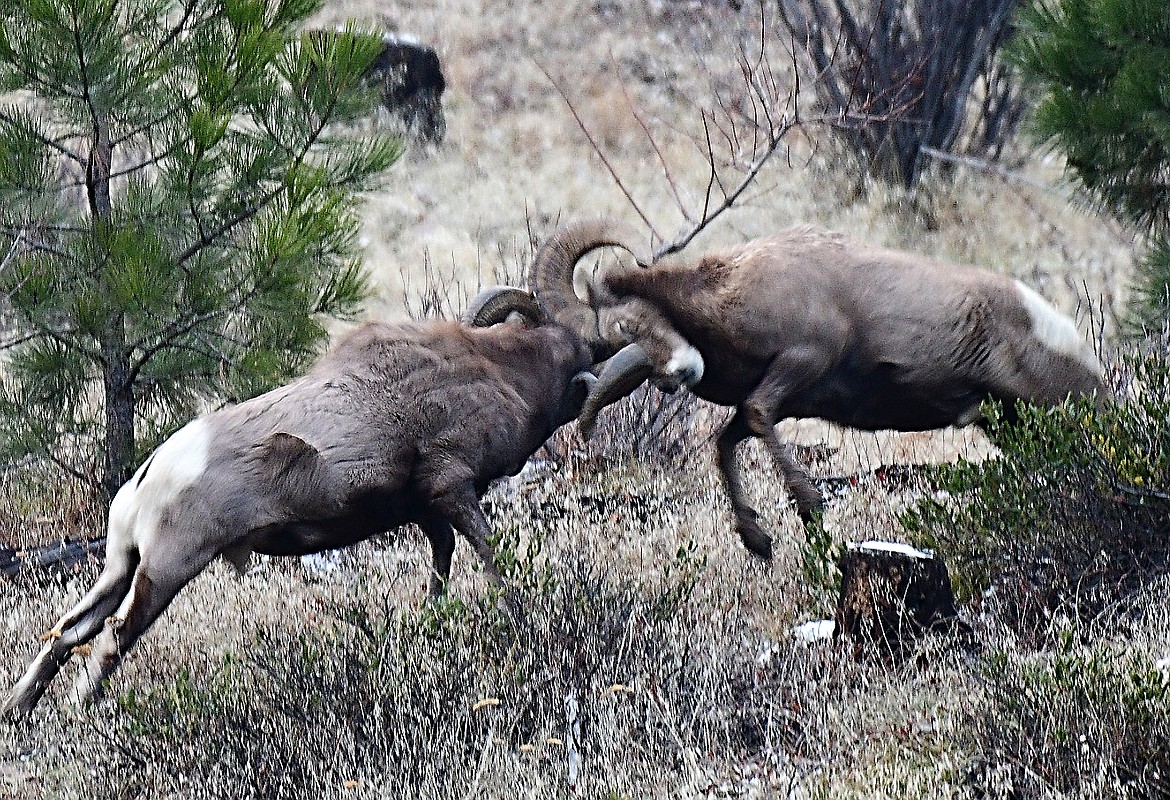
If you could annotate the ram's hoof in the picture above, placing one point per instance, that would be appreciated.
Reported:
(756, 541)
(812, 516)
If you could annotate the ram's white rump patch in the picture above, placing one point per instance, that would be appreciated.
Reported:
(1056, 330)
(176, 464)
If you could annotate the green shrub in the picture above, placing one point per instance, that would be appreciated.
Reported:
(1077, 722)
(1099, 69)
(1074, 512)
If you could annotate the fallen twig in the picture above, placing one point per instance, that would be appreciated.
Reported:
(59, 557)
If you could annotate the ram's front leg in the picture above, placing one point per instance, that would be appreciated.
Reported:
(786, 375)
(746, 524)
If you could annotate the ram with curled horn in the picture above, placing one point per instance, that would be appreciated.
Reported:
(399, 423)
(808, 323)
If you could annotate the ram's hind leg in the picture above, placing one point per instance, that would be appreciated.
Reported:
(73, 631)
(442, 538)
(459, 505)
(809, 502)
(155, 584)
(761, 411)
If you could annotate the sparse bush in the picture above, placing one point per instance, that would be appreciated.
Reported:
(586, 679)
(1072, 515)
(1090, 722)
(909, 77)
(651, 424)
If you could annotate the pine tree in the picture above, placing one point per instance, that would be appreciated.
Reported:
(177, 213)
(1102, 68)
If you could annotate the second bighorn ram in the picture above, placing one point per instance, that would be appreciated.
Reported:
(808, 323)
(397, 424)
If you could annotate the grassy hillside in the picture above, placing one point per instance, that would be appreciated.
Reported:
(652, 656)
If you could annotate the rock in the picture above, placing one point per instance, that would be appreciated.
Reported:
(410, 79)
(412, 85)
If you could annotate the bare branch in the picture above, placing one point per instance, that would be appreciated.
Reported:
(749, 111)
(598, 149)
(13, 250)
(666, 171)
(684, 238)
(983, 165)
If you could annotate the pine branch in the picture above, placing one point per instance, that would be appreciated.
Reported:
(213, 194)
(227, 225)
(172, 35)
(44, 140)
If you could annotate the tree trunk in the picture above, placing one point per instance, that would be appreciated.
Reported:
(118, 383)
(119, 390)
(52, 559)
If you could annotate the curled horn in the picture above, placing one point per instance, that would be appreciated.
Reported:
(551, 276)
(495, 303)
(622, 374)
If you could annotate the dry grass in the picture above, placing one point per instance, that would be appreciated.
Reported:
(652, 592)
(515, 158)
(296, 683)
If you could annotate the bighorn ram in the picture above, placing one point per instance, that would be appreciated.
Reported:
(808, 323)
(399, 423)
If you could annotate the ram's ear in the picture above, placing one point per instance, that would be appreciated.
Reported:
(620, 375)
(299, 473)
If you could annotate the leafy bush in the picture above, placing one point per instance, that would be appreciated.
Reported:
(1078, 722)
(1072, 515)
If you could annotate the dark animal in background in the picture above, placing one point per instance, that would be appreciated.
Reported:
(410, 80)
(397, 424)
(808, 323)
(412, 85)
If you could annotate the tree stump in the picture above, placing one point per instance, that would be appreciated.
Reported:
(892, 594)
